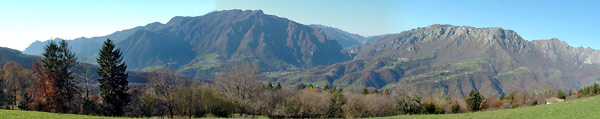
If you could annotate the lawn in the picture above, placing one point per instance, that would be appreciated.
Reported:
(584, 108)
(587, 108)
(18, 114)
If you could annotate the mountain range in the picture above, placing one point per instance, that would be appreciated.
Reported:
(442, 60)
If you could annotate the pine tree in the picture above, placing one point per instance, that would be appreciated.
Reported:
(511, 97)
(474, 100)
(269, 86)
(113, 79)
(502, 96)
(278, 86)
(57, 61)
(337, 100)
(326, 87)
(365, 91)
(560, 94)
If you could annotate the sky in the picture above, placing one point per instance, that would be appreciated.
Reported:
(573, 21)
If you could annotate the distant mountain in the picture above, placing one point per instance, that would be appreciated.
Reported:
(346, 39)
(445, 60)
(87, 48)
(7, 54)
(198, 46)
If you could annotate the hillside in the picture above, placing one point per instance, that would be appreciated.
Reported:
(584, 108)
(446, 60)
(198, 46)
(18, 114)
(7, 54)
(345, 39)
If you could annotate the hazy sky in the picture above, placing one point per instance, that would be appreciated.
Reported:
(573, 21)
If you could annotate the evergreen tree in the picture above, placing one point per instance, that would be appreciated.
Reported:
(269, 86)
(57, 62)
(365, 91)
(511, 97)
(560, 94)
(113, 79)
(474, 100)
(335, 106)
(502, 96)
(278, 86)
(455, 108)
(326, 87)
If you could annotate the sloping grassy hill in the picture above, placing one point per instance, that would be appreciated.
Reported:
(18, 114)
(585, 108)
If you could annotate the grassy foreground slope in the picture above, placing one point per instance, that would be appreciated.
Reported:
(19, 114)
(584, 108)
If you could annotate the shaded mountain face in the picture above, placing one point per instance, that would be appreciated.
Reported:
(273, 42)
(345, 39)
(198, 46)
(7, 54)
(445, 60)
(87, 49)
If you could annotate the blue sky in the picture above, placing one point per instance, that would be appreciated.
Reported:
(574, 21)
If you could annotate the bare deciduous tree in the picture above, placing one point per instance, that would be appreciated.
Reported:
(408, 102)
(16, 80)
(163, 83)
(240, 83)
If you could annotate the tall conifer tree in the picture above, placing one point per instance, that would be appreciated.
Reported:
(57, 62)
(113, 79)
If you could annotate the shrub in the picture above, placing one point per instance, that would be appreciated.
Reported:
(456, 108)
(431, 108)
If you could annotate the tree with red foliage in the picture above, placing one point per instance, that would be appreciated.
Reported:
(44, 92)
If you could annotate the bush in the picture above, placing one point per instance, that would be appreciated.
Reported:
(409, 105)
(456, 108)
(306, 103)
(431, 108)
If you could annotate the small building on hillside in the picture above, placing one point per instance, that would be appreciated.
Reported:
(554, 100)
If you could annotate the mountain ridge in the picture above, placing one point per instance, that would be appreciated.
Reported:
(446, 60)
(221, 38)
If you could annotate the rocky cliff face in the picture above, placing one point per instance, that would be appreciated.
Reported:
(345, 39)
(557, 50)
(446, 60)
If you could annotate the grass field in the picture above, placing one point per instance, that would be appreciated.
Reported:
(18, 114)
(585, 108)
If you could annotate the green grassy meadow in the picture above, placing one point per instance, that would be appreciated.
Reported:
(584, 108)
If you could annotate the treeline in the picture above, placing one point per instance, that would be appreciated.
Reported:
(237, 91)
(50, 85)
